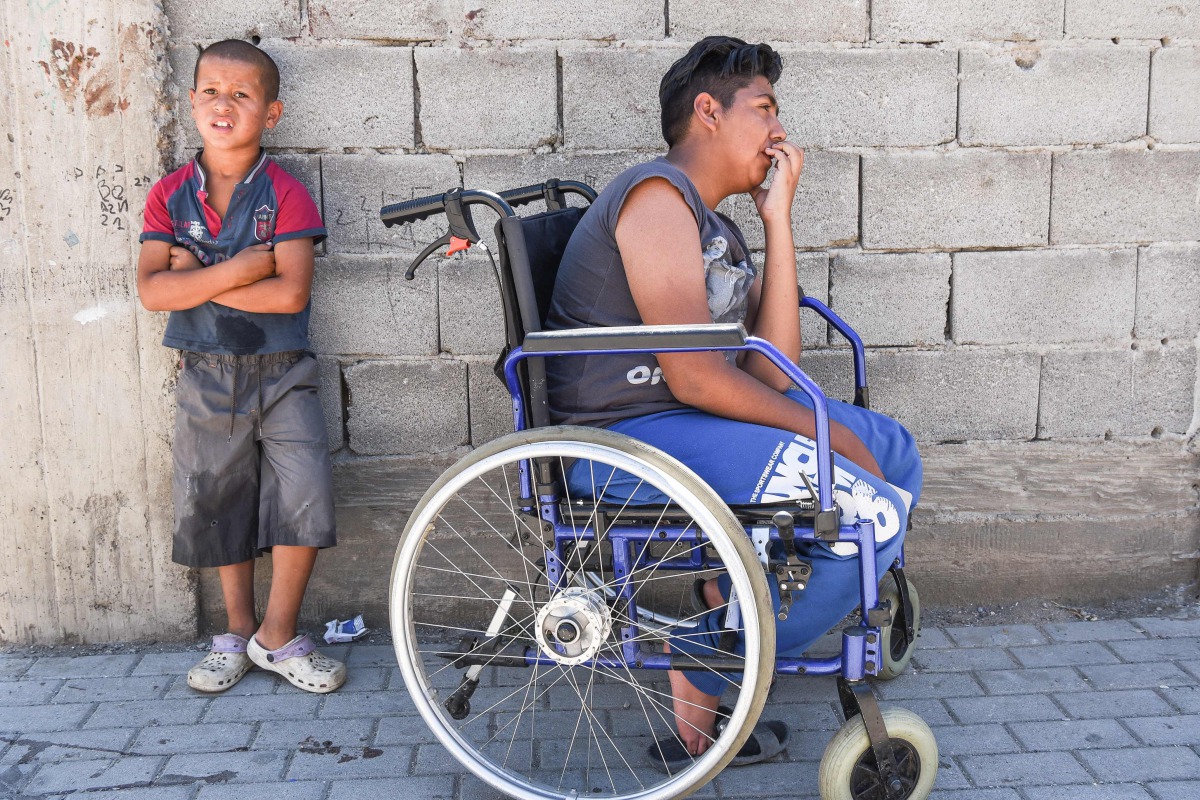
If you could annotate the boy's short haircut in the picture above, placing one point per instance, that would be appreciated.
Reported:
(719, 65)
(244, 53)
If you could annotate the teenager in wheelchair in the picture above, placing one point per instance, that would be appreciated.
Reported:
(597, 603)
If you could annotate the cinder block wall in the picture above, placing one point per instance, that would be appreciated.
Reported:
(1002, 197)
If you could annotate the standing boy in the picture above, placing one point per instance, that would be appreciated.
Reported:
(228, 250)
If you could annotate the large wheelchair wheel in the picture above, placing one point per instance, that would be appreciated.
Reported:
(849, 770)
(558, 708)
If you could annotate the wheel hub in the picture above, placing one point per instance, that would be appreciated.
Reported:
(573, 625)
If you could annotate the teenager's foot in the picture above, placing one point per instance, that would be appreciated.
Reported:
(225, 665)
(300, 663)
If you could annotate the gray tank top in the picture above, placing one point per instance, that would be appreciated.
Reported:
(592, 291)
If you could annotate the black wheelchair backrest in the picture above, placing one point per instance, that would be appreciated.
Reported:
(531, 249)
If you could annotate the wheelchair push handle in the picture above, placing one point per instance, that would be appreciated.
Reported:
(455, 204)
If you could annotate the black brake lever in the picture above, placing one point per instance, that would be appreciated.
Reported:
(462, 233)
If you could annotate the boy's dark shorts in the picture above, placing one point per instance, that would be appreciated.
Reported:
(251, 457)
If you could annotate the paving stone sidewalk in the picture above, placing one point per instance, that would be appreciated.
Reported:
(1106, 710)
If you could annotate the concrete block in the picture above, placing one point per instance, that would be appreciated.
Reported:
(1133, 19)
(1174, 93)
(226, 19)
(610, 97)
(470, 314)
(1123, 393)
(951, 394)
(490, 404)
(498, 173)
(825, 209)
(869, 98)
(362, 305)
(334, 96)
(951, 20)
(788, 21)
(331, 401)
(893, 298)
(1125, 196)
(564, 19)
(307, 170)
(1032, 95)
(1168, 292)
(358, 186)
(407, 407)
(413, 21)
(1043, 296)
(812, 275)
(962, 198)
(462, 110)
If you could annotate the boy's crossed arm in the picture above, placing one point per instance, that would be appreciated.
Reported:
(262, 278)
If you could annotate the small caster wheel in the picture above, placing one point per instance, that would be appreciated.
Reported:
(896, 654)
(849, 771)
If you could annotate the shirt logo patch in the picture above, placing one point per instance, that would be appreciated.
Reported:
(264, 223)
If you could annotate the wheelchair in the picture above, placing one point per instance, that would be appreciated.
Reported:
(529, 621)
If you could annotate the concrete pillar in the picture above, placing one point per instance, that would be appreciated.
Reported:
(85, 398)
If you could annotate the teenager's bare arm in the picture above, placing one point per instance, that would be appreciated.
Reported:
(164, 287)
(660, 246)
(287, 291)
(774, 302)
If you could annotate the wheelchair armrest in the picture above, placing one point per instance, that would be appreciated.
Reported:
(861, 392)
(644, 338)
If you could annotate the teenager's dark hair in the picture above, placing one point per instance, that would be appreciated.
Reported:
(244, 53)
(719, 65)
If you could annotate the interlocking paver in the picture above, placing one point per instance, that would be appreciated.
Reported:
(433, 788)
(1180, 729)
(74, 776)
(1107, 630)
(28, 692)
(932, 639)
(962, 660)
(70, 745)
(29, 719)
(310, 733)
(995, 635)
(406, 729)
(1104, 791)
(1005, 708)
(170, 739)
(1143, 763)
(931, 684)
(1113, 704)
(127, 793)
(355, 762)
(168, 663)
(933, 711)
(365, 679)
(369, 655)
(1178, 649)
(1064, 655)
(974, 794)
(1075, 734)
(146, 712)
(263, 707)
(1165, 626)
(13, 667)
(1185, 698)
(224, 767)
(966, 740)
(1176, 790)
(1025, 769)
(292, 790)
(254, 683)
(111, 690)
(1028, 681)
(1134, 676)
(110, 666)
(374, 704)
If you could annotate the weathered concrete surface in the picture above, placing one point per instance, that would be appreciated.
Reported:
(85, 513)
(1108, 521)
